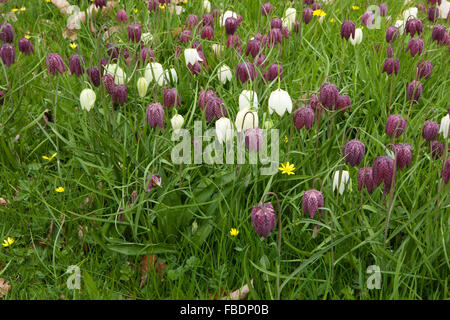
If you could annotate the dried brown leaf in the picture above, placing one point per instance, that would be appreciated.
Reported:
(3, 202)
(147, 264)
(5, 287)
(239, 294)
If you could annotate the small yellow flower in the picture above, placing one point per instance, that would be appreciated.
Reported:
(48, 1)
(319, 13)
(15, 10)
(27, 37)
(23, 9)
(60, 189)
(136, 10)
(287, 168)
(185, 1)
(162, 7)
(286, 140)
(234, 232)
(332, 20)
(355, 8)
(8, 242)
(49, 158)
(73, 45)
(362, 27)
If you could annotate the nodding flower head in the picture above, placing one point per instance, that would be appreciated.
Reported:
(347, 29)
(254, 139)
(413, 26)
(25, 46)
(307, 15)
(7, 32)
(276, 23)
(436, 148)
(391, 65)
(192, 21)
(415, 45)
(155, 115)
(108, 82)
(215, 108)
(433, 14)
(245, 72)
(391, 33)
(414, 90)
(264, 219)
(274, 71)
(311, 202)
(153, 181)
(207, 33)
(343, 103)
(403, 153)
(76, 65)
(204, 97)
(171, 98)
(253, 47)
(395, 125)
(430, 130)
(438, 33)
(121, 16)
(304, 117)
(208, 20)
(383, 9)
(120, 94)
(266, 9)
(100, 3)
(234, 41)
(424, 69)
(365, 178)
(354, 152)
(383, 171)
(446, 171)
(8, 54)
(328, 95)
(134, 31)
(367, 18)
(55, 64)
(231, 25)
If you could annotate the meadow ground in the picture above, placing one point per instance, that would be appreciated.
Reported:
(73, 183)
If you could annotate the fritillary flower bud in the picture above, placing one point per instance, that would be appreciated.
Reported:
(192, 21)
(245, 72)
(153, 181)
(316, 6)
(414, 90)
(415, 45)
(389, 51)
(177, 122)
(391, 65)
(254, 139)
(437, 149)
(134, 31)
(383, 9)
(7, 33)
(328, 95)
(343, 103)
(383, 171)
(8, 54)
(122, 16)
(430, 130)
(403, 153)
(171, 98)
(395, 125)
(55, 64)
(347, 29)
(304, 117)
(155, 115)
(25, 46)
(433, 14)
(446, 171)
(142, 86)
(365, 178)
(75, 65)
(120, 94)
(108, 82)
(1, 97)
(307, 15)
(266, 9)
(87, 99)
(391, 33)
(354, 152)
(264, 219)
(311, 202)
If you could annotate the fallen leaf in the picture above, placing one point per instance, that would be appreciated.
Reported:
(110, 32)
(4, 287)
(239, 294)
(147, 263)
(3, 202)
(72, 34)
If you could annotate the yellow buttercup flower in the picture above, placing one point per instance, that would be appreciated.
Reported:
(319, 13)
(287, 168)
(15, 10)
(8, 242)
(27, 37)
(332, 20)
(286, 140)
(234, 232)
(355, 8)
(23, 9)
(162, 7)
(60, 189)
(73, 45)
(49, 158)
(136, 10)
(48, 0)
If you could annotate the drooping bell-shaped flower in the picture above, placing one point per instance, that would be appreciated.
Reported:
(76, 65)
(354, 152)
(7, 32)
(391, 65)
(8, 54)
(245, 72)
(108, 83)
(392, 33)
(224, 130)
(87, 99)
(120, 94)
(227, 14)
(414, 90)
(304, 117)
(204, 97)
(389, 51)
(413, 26)
(155, 115)
(266, 9)
(248, 99)
(311, 202)
(367, 18)
(437, 149)
(365, 178)
(231, 25)
(246, 119)
(343, 103)
(208, 20)
(142, 86)
(383, 171)
(191, 56)
(185, 36)
(134, 31)
(403, 153)
(224, 74)
(430, 130)
(280, 102)
(153, 181)
(55, 64)
(215, 108)
(94, 75)
(207, 33)
(253, 47)
(254, 139)
(446, 171)
(307, 15)
(328, 95)
(275, 71)
(433, 14)
(177, 122)
(171, 98)
(117, 72)
(154, 72)
(395, 125)
(357, 38)
(25, 46)
(347, 29)
(438, 33)
(445, 126)
(415, 45)
(121, 16)
(192, 21)
(264, 219)
(289, 18)
(424, 69)
(340, 179)
(383, 9)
